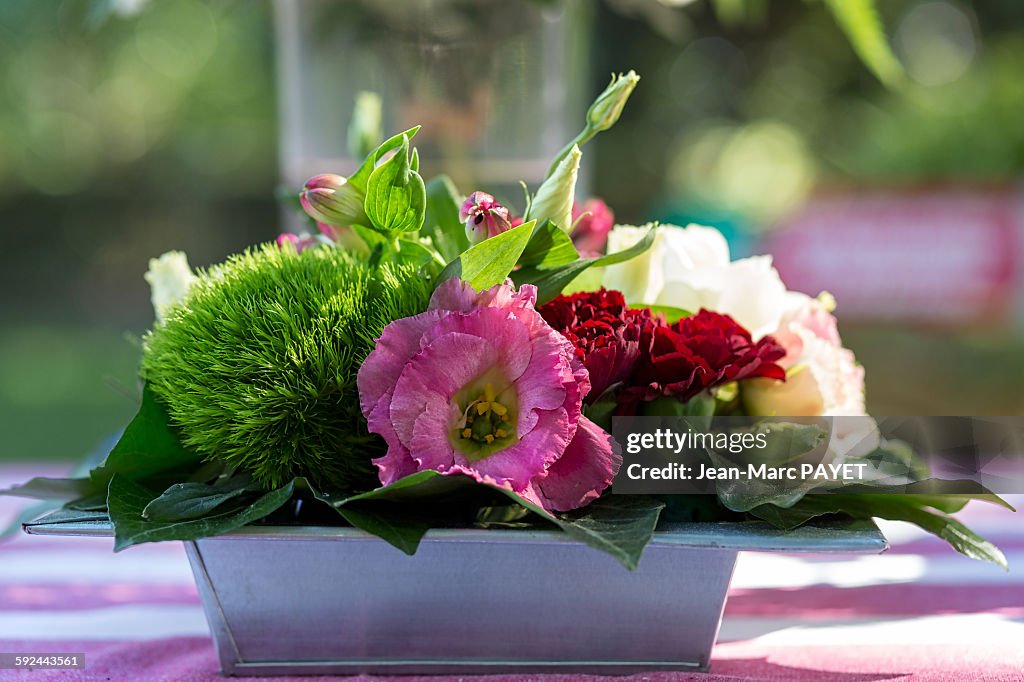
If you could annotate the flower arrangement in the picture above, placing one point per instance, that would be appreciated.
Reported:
(426, 358)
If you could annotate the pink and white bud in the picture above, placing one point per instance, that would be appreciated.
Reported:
(329, 198)
(483, 217)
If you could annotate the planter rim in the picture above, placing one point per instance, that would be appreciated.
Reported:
(831, 536)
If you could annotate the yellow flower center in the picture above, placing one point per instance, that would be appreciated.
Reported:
(487, 423)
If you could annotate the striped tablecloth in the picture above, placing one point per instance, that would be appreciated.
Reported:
(919, 612)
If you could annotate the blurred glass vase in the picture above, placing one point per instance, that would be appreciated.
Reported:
(468, 71)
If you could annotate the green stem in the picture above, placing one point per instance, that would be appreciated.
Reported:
(584, 136)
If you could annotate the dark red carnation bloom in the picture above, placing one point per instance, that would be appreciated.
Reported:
(610, 339)
(698, 353)
(650, 358)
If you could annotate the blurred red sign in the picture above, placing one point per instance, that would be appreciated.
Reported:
(937, 255)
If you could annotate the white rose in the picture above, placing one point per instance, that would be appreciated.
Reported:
(689, 268)
(170, 278)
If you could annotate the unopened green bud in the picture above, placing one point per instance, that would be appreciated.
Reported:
(607, 108)
(554, 199)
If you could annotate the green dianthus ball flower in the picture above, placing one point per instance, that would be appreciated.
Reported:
(257, 367)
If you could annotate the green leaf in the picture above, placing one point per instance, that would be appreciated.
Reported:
(400, 528)
(380, 511)
(860, 22)
(621, 525)
(185, 501)
(442, 219)
(550, 281)
(147, 447)
(788, 518)
(396, 198)
(960, 537)
(490, 262)
(787, 441)
(549, 247)
(127, 500)
(422, 257)
(672, 315)
(54, 489)
(894, 507)
(361, 177)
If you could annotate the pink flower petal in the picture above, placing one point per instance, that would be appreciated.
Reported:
(587, 467)
(435, 374)
(397, 462)
(431, 433)
(399, 341)
(454, 295)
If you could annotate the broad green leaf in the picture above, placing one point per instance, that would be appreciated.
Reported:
(860, 22)
(549, 247)
(127, 500)
(361, 177)
(490, 262)
(185, 501)
(785, 442)
(621, 526)
(384, 512)
(398, 527)
(960, 537)
(396, 198)
(414, 486)
(550, 281)
(894, 507)
(148, 446)
(442, 219)
(788, 518)
(591, 279)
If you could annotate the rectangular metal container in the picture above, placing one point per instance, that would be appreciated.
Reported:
(319, 601)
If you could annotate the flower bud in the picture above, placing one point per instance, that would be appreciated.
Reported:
(607, 108)
(554, 199)
(483, 217)
(592, 223)
(170, 279)
(329, 198)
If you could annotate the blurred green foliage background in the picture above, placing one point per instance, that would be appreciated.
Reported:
(154, 128)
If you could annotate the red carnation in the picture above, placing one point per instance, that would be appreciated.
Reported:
(700, 352)
(650, 358)
(609, 338)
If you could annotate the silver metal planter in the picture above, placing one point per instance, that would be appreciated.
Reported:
(312, 600)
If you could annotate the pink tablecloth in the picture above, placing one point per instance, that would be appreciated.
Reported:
(919, 613)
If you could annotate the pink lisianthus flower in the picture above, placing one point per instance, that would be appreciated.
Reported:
(481, 385)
